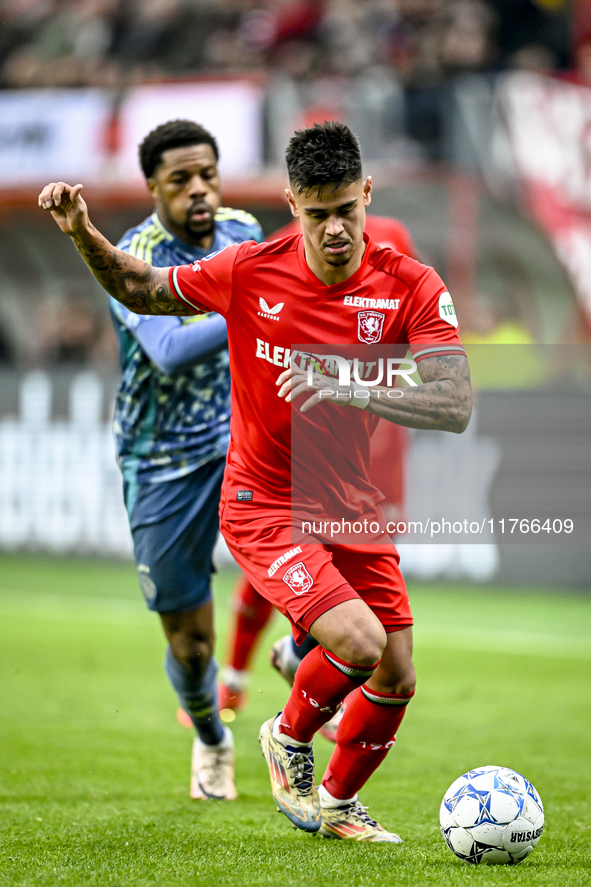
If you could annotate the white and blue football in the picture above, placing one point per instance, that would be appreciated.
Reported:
(493, 815)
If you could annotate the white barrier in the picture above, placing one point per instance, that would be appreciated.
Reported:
(53, 134)
(60, 487)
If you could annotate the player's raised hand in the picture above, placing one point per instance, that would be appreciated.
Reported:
(66, 205)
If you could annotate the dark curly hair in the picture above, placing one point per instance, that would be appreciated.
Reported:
(174, 134)
(325, 153)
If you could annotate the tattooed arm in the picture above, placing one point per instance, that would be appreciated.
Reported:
(442, 403)
(137, 285)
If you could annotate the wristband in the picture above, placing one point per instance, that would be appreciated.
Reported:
(360, 402)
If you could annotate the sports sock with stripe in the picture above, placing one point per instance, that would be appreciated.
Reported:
(364, 737)
(198, 695)
(321, 683)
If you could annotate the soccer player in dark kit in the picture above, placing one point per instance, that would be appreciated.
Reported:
(350, 597)
(172, 427)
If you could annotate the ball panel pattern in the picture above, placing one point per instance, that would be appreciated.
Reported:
(491, 815)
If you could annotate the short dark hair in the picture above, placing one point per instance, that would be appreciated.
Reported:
(324, 153)
(174, 134)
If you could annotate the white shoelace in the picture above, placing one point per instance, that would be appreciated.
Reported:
(303, 764)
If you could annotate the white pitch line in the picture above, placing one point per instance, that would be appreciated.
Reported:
(116, 611)
(109, 611)
(512, 641)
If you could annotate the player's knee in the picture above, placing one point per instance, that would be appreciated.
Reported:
(363, 645)
(192, 650)
(399, 683)
(405, 687)
(352, 632)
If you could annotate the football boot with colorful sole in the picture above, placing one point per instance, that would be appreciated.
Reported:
(352, 822)
(291, 769)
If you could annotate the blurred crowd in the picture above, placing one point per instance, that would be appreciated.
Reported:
(397, 57)
(117, 42)
(390, 61)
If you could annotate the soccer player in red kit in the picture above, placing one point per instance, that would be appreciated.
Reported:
(351, 598)
(251, 611)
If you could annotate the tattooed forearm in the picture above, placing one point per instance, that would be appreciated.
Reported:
(443, 402)
(134, 283)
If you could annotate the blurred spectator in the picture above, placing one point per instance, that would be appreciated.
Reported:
(68, 43)
(533, 24)
(582, 66)
(432, 42)
(52, 42)
(150, 41)
(390, 67)
(469, 37)
(580, 69)
(498, 367)
(6, 350)
(20, 21)
(69, 332)
(534, 57)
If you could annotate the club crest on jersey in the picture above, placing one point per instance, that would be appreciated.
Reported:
(370, 325)
(298, 578)
(266, 311)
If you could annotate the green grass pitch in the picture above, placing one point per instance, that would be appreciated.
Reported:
(94, 767)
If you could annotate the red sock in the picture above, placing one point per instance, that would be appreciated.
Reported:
(251, 613)
(364, 737)
(321, 683)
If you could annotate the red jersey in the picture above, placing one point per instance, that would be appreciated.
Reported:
(271, 301)
(389, 442)
(383, 230)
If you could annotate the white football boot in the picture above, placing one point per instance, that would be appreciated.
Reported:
(212, 770)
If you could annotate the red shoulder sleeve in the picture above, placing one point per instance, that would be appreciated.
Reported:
(432, 324)
(207, 284)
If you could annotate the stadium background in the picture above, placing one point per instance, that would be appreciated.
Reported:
(474, 121)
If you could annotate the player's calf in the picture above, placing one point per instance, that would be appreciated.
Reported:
(366, 734)
(232, 688)
(321, 683)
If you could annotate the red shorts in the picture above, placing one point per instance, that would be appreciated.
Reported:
(304, 581)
